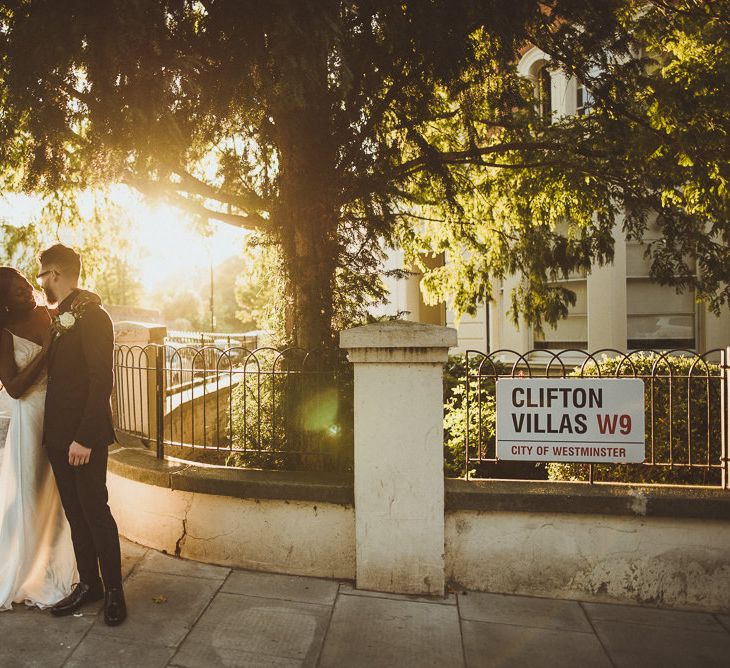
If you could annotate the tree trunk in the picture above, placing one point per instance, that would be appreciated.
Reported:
(306, 222)
(306, 216)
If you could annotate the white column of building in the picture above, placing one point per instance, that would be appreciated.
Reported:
(714, 331)
(607, 300)
(413, 296)
(507, 334)
(399, 477)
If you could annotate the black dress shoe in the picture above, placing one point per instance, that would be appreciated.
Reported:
(115, 609)
(80, 594)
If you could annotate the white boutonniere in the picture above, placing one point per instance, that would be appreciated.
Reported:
(65, 322)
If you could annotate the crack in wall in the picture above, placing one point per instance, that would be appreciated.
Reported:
(181, 541)
(207, 539)
(178, 544)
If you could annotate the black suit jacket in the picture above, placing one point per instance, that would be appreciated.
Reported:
(80, 381)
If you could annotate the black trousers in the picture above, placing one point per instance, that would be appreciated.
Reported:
(93, 530)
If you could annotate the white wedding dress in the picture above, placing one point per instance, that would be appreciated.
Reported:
(37, 563)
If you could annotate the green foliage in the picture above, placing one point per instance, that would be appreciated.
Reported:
(225, 286)
(108, 250)
(260, 291)
(20, 247)
(257, 289)
(184, 298)
(481, 418)
(476, 416)
(183, 309)
(683, 426)
(539, 200)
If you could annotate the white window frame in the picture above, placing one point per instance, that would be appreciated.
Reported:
(636, 278)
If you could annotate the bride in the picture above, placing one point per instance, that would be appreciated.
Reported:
(37, 563)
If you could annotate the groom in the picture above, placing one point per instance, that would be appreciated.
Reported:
(77, 432)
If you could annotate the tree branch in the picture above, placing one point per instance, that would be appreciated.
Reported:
(247, 202)
(473, 155)
(252, 221)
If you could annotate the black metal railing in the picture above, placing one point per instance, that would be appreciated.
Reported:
(263, 408)
(685, 418)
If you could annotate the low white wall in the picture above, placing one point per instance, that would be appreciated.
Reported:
(683, 563)
(296, 537)
(670, 562)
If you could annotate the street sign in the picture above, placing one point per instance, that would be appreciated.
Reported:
(571, 419)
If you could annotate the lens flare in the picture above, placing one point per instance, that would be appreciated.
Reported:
(319, 412)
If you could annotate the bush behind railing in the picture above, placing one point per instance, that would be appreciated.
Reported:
(293, 411)
(683, 434)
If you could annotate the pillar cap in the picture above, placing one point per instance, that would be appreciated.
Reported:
(139, 333)
(398, 334)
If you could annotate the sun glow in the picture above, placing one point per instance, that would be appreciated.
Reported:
(162, 243)
(171, 245)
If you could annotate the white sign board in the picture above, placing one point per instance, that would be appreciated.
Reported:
(571, 419)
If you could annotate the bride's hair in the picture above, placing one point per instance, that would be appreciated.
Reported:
(6, 276)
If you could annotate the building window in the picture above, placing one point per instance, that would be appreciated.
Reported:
(544, 94)
(583, 99)
(657, 317)
(572, 331)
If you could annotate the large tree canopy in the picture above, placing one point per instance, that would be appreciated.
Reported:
(329, 126)
(654, 148)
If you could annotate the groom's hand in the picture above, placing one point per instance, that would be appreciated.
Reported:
(78, 455)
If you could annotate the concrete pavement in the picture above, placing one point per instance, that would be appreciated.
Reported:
(194, 615)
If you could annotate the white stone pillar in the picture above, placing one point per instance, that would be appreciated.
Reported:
(135, 384)
(399, 477)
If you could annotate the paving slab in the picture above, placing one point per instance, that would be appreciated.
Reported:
(284, 587)
(633, 614)
(367, 632)
(156, 562)
(241, 630)
(32, 637)
(506, 646)
(162, 608)
(132, 554)
(109, 652)
(724, 620)
(191, 615)
(545, 613)
(349, 590)
(644, 646)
